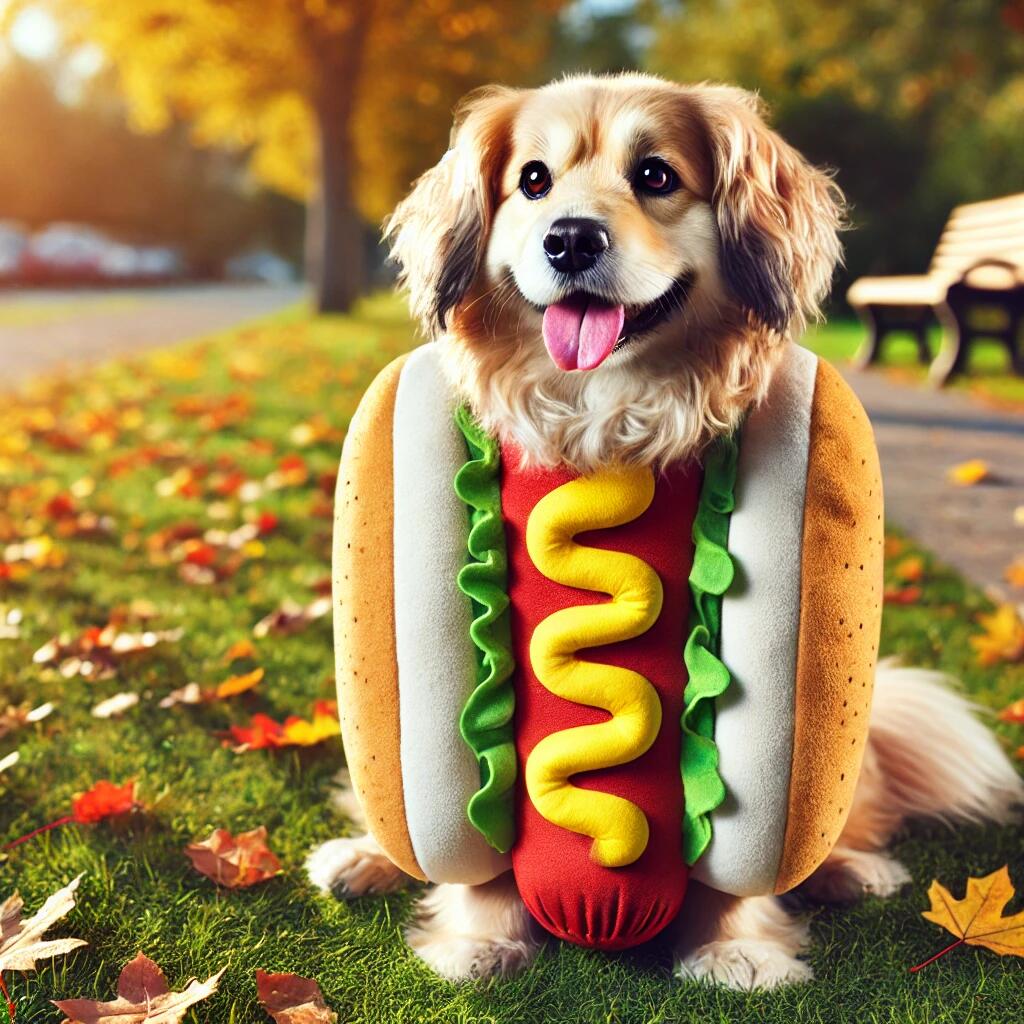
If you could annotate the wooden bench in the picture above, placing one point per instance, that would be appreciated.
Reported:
(978, 268)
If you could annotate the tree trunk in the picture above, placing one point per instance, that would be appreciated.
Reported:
(335, 239)
(339, 261)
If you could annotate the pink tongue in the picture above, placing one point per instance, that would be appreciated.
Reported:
(581, 333)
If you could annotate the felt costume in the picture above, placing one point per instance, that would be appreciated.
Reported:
(613, 681)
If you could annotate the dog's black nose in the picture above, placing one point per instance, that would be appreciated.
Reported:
(574, 244)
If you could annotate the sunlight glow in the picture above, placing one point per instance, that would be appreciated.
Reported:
(34, 34)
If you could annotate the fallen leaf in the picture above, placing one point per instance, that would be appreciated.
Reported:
(239, 650)
(264, 733)
(95, 653)
(977, 918)
(902, 595)
(22, 943)
(193, 693)
(239, 684)
(1002, 636)
(261, 733)
(290, 999)
(298, 732)
(190, 693)
(18, 717)
(235, 862)
(104, 800)
(1015, 572)
(967, 474)
(1013, 712)
(10, 623)
(910, 570)
(291, 617)
(116, 705)
(143, 997)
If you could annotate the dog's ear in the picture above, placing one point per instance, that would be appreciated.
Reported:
(778, 216)
(438, 233)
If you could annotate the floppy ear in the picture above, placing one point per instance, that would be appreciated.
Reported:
(778, 216)
(438, 233)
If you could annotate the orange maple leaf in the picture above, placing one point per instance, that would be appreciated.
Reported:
(978, 918)
(235, 862)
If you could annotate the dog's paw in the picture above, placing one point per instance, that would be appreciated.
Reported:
(469, 957)
(853, 874)
(743, 965)
(353, 867)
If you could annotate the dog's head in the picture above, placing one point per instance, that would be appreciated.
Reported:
(613, 223)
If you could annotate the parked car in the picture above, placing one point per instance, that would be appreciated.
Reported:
(13, 242)
(260, 265)
(76, 254)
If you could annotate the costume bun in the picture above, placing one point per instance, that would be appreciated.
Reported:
(607, 682)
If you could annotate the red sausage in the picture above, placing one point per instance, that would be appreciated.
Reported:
(570, 895)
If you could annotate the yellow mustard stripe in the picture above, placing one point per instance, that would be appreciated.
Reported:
(609, 498)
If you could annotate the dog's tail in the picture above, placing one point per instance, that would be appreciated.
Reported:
(930, 755)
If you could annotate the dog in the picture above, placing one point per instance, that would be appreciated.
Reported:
(703, 243)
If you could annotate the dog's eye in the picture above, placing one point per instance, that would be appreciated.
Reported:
(535, 181)
(655, 177)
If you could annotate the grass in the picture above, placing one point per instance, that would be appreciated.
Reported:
(989, 378)
(240, 402)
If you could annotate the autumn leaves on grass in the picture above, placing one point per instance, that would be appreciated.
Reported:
(143, 994)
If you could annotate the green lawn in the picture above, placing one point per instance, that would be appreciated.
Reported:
(989, 378)
(182, 437)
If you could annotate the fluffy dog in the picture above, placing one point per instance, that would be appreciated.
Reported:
(666, 242)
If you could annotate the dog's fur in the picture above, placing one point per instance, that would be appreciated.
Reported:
(746, 246)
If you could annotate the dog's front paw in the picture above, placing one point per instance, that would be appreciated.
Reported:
(469, 957)
(849, 875)
(353, 867)
(743, 965)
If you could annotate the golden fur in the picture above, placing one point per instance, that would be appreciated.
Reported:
(753, 229)
(754, 225)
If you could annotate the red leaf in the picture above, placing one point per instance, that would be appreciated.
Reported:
(104, 800)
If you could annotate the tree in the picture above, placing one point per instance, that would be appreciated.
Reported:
(77, 161)
(917, 105)
(339, 102)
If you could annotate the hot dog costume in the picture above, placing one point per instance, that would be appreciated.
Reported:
(608, 683)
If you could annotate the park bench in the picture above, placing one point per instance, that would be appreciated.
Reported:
(974, 288)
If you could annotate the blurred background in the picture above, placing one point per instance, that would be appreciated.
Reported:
(146, 141)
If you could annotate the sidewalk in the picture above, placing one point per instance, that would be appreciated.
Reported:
(921, 433)
(98, 325)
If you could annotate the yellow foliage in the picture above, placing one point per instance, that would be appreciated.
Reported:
(252, 74)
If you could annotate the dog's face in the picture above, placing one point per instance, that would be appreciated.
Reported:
(621, 250)
(603, 223)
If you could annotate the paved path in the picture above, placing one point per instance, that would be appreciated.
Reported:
(921, 433)
(44, 330)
